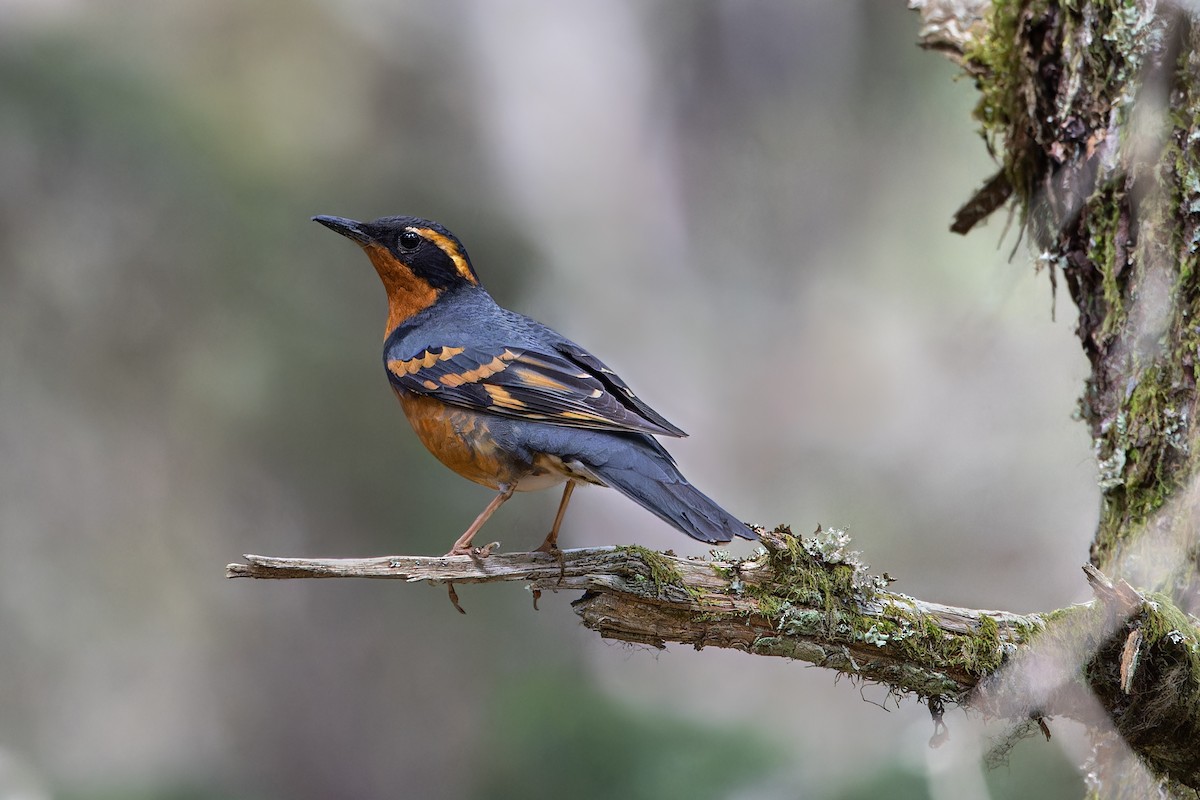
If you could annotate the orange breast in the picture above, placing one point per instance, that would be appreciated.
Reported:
(460, 439)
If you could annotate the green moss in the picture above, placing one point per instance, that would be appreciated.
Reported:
(1088, 629)
(1040, 65)
(996, 60)
(799, 580)
(1181, 151)
(1059, 614)
(1167, 620)
(920, 637)
(1073, 629)
(983, 650)
(769, 604)
(933, 631)
(1100, 57)
(1105, 209)
(1146, 456)
(818, 590)
(662, 572)
(803, 583)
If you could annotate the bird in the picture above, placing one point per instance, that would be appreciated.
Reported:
(509, 403)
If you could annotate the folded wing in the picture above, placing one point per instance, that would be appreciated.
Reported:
(567, 386)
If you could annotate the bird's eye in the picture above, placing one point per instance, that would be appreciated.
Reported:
(409, 240)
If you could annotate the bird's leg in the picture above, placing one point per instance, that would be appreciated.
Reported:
(551, 543)
(463, 546)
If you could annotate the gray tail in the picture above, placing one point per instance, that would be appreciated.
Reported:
(646, 474)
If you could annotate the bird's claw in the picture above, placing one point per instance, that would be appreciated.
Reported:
(474, 552)
(550, 547)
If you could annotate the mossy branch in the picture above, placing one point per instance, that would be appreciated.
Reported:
(809, 599)
(812, 600)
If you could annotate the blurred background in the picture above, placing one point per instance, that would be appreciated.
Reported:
(742, 207)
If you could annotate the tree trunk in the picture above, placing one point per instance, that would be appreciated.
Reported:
(1093, 110)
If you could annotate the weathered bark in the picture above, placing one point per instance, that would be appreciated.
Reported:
(808, 599)
(812, 600)
(1093, 110)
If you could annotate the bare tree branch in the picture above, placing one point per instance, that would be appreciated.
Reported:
(809, 599)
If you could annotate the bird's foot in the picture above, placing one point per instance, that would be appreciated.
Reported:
(474, 552)
(550, 547)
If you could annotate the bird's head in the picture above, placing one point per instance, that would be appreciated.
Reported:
(417, 260)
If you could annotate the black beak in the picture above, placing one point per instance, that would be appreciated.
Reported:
(347, 227)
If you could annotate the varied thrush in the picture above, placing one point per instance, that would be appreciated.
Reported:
(509, 403)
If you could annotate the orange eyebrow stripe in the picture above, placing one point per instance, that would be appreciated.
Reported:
(447, 246)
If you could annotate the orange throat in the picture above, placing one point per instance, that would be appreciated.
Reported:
(407, 294)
